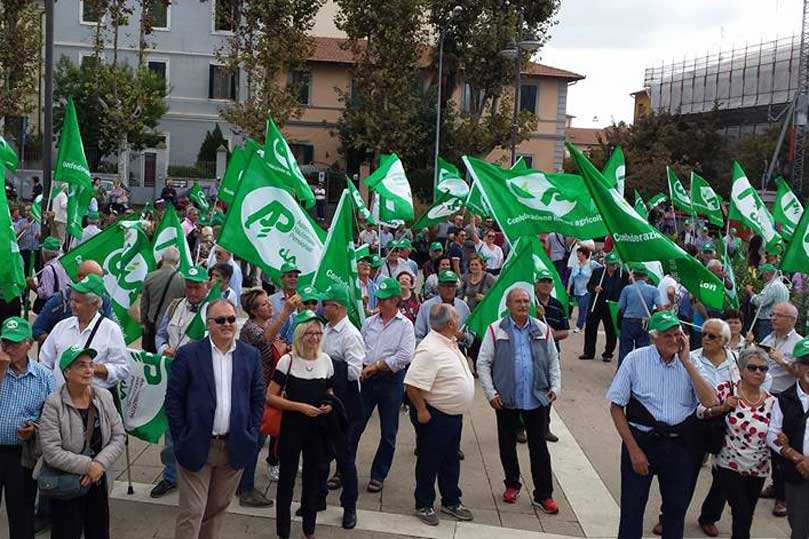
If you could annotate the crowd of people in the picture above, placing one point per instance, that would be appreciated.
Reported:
(690, 381)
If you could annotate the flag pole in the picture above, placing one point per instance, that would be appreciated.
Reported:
(129, 489)
(600, 281)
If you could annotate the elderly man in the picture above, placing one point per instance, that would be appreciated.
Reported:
(447, 290)
(781, 344)
(389, 344)
(289, 288)
(441, 388)
(57, 308)
(160, 288)
(790, 418)
(170, 336)
(344, 345)
(518, 368)
(393, 264)
(636, 303)
(89, 329)
(605, 284)
(24, 387)
(369, 236)
(214, 401)
(430, 286)
(773, 293)
(652, 401)
(53, 277)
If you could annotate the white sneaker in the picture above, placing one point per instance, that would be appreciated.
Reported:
(576, 330)
(272, 473)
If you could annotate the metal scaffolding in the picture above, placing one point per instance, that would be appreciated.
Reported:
(801, 104)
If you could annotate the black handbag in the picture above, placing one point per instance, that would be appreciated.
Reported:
(714, 429)
(64, 485)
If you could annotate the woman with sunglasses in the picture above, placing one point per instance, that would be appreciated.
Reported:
(743, 463)
(301, 385)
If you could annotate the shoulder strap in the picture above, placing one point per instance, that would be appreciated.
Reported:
(93, 333)
(165, 291)
(286, 376)
(88, 429)
(55, 280)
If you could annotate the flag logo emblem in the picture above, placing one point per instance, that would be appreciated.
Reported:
(536, 192)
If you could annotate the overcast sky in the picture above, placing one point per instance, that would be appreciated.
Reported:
(612, 41)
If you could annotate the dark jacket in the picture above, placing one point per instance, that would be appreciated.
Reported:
(191, 403)
(794, 427)
(612, 285)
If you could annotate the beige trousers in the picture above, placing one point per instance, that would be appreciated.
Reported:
(206, 494)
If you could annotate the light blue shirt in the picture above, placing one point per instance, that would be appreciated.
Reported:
(665, 389)
(21, 399)
(630, 300)
(524, 398)
(393, 342)
(423, 318)
(580, 275)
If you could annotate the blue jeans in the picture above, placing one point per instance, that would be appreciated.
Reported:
(584, 304)
(248, 480)
(673, 463)
(633, 335)
(438, 442)
(383, 391)
(168, 459)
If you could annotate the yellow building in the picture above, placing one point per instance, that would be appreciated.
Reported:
(314, 140)
(643, 103)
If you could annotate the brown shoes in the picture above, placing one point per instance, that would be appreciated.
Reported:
(710, 529)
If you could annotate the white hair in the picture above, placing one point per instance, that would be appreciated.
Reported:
(441, 314)
(171, 256)
(724, 328)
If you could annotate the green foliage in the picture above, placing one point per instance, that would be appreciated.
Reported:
(212, 141)
(19, 56)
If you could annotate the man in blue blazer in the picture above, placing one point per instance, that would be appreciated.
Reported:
(214, 401)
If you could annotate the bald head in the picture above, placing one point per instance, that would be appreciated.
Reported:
(89, 267)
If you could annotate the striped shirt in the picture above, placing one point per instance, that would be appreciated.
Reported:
(665, 389)
(21, 399)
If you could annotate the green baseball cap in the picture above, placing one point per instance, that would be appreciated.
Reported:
(543, 275)
(16, 329)
(708, 248)
(663, 320)
(800, 353)
(91, 284)
(766, 268)
(337, 293)
(72, 354)
(436, 246)
(309, 293)
(51, 244)
(388, 288)
(448, 277)
(612, 258)
(93, 216)
(306, 315)
(392, 244)
(289, 267)
(376, 262)
(195, 274)
(637, 267)
(405, 243)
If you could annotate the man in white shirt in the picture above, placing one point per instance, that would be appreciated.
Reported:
(441, 388)
(343, 343)
(369, 235)
(59, 208)
(87, 328)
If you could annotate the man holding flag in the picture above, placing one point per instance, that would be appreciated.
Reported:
(605, 284)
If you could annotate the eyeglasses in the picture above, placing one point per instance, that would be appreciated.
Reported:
(710, 336)
(761, 368)
(779, 315)
(222, 320)
(313, 334)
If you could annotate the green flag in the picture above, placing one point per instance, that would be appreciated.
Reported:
(142, 394)
(8, 157)
(656, 200)
(787, 209)
(72, 169)
(615, 170)
(517, 272)
(363, 251)
(198, 326)
(169, 233)
(339, 265)
(451, 184)
(727, 268)
(796, 257)
(438, 213)
(279, 157)
(267, 227)
(36, 208)
(640, 206)
(679, 198)
(125, 253)
(614, 309)
(233, 173)
(359, 204)
(543, 261)
(475, 202)
(747, 208)
(529, 202)
(638, 241)
(198, 198)
(12, 271)
(391, 184)
(704, 201)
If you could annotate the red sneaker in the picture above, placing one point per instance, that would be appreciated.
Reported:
(511, 494)
(547, 506)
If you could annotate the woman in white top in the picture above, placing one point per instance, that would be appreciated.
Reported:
(489, 251)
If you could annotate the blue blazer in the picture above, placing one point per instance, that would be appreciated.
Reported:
(191, 403)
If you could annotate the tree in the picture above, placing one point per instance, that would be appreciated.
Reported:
(270, 39)
(212, 141)
(19, 56)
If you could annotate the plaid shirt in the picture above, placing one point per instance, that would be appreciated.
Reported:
(21, 399)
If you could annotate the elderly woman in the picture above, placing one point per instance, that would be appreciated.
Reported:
(475, 282)
(301, 386)
(743, 463)
(81, 433)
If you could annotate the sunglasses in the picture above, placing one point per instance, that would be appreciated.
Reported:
(761, 368)
(222, 320)
(710, 336)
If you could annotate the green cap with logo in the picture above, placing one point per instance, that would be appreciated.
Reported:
(72, 354)
(612, 258)
(337, 293)
(307, 315)
(93, 216)
(708, 248)
(51, 244)
(663, 320)
(405, 243)
(376, 262)
(388, 288)
(800, 353)
(543, 275)
(91, 284)
(766, 268)
(436, 246)
(16, 329)
(195, 274)
(309, 293)
(448, 277)
(289, 267)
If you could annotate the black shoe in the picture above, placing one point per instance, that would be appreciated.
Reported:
(41, 525)
(551, 437)
(521, 437)
(335, 483)
(349, 518)
(162, 488)
(461, 456)
(320, 508)
(583, 356)
(606, 358)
